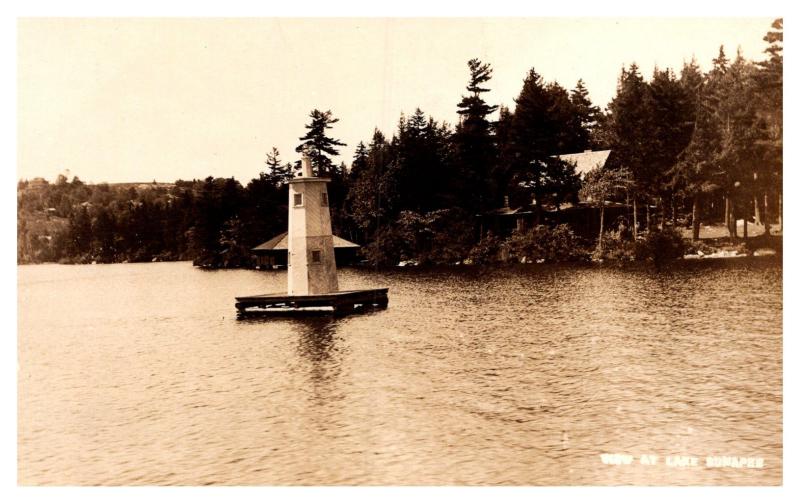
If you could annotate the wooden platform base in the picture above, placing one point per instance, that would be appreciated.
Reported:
(341, 302)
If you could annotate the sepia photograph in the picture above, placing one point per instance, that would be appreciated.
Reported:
(399, 251)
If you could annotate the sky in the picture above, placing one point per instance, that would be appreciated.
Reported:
(136, 100)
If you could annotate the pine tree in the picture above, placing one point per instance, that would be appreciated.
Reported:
(691, 80)
(360, 159)
(277, 173)
(696, 172)
(569, 135)
(721, 61)
(536, 133)
(502, 172)
(585, 117)
(420, 165)
(682, 182)
(769, 80)
(673, 113)
(602, 135)
(743, 137)
(632, 133)
(273, 163)
(473, 140)
(318, 144)
(337, 192)
(371, 194)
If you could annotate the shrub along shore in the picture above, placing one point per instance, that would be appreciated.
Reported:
(545, 245)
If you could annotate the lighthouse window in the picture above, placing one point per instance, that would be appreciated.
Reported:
(316, 256)
(298, 199)
(324, 199)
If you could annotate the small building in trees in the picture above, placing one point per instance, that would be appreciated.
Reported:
(583, 216)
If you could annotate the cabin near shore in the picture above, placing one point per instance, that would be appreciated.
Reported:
(583, 217)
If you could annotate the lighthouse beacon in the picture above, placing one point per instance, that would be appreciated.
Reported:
(312, 264)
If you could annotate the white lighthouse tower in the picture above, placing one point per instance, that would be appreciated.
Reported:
(312, 264)
(312, 280)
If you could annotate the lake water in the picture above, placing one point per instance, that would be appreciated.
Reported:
(136, 374)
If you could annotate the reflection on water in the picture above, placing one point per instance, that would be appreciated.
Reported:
(142, 374)
(316, 339)
(316, 344)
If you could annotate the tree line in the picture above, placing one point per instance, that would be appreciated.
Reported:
(699, 138)
(690, 146)
(214, 221)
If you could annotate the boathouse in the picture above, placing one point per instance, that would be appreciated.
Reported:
(274, 252)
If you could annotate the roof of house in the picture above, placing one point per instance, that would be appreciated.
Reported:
(586, 161)
(281, 242)
(582, 205)
(506, 211)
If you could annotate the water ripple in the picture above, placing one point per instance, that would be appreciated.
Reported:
(139, 374)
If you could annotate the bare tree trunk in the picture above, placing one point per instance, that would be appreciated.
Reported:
(734, 230)
(674, 211)
(538, 209)
(663, 214)
(602, 215)
(627, 202)
(744, 228)
(757, 210)
(727, 213)
(696, 217)
(647, 216)
(765, 216)
(659, 214)
(635, 220)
